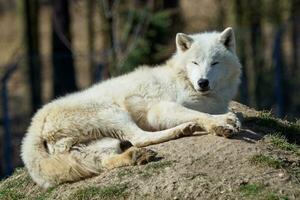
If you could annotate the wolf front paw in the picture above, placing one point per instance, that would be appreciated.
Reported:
(232, 120)
(225, 125)
(224, 130)
(141, 156)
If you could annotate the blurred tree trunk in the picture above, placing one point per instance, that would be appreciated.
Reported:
(239, 18)
(91, 38)
(281, 86)
(170, 4)
(295, 17)
(106, 22)
(31, 35)
(62, 57)
(221, 15)
(177, 21)
(295, 41)
(256, 52)
(121, 13)
(249, 67)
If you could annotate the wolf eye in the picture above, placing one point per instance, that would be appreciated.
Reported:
(195, 63)
(214, 63)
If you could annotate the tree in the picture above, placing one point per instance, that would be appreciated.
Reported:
(106, 20)
(62, 57)
(295, 18)
(136, 32)
(295, 40)
(31, 35)
(281, 88)
(239, 20)
(256, 52)
(90, 5)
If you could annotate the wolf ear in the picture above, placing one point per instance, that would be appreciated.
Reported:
(227, 39)
(183, 42)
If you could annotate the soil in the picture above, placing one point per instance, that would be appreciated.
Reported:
(196, 167)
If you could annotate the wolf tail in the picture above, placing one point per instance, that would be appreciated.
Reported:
(48, 169)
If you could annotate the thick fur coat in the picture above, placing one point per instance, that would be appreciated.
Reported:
(80, 135)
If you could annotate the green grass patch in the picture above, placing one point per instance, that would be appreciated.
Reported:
(251, 189)
(265, 122)
(18, 171)
(45, 194)
(154, 168)
(273, 196)
(265, 160)
(107, 192)
(146, 174)
(13, 188)
(158, 165)
(292, 167)
(259, 191)
(124, 172)
(280, 142)
(11, 194)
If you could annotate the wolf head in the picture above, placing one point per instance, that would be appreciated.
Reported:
(209, 61)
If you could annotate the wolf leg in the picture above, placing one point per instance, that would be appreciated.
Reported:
(63, 126)
(107, 153)
(86, 160)
(164, 115)
(132, 156)
(71, 126)
(80, 161)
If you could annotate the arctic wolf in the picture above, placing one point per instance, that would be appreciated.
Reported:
(80, 135)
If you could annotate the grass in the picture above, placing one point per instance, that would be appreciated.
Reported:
(149, 170)
(10, 194)
(265, 160)
(124, 172)
(11, 189)
(258, 191)
(154, 168)
(273, 196)
(280, 142)
(45, 194)
(251, 189)
(16, 187)
(265, 120)
(107, 192)
(158, 165)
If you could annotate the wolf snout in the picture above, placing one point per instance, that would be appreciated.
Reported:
(203, 84)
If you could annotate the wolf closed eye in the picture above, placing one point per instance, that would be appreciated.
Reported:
(79, 135)
(195, 63)
(214, 63)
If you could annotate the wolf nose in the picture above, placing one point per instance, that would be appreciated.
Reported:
(203, 83)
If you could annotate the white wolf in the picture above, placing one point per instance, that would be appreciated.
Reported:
(80, 135)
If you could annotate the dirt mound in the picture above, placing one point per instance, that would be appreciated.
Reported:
(259, 163)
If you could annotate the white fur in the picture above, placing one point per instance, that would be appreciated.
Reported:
(165, 99)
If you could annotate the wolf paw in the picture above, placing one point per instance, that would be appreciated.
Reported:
(226, 125)
(232, 120)
(141, 156)
(61, 146)
(189, 128)
(224, 131)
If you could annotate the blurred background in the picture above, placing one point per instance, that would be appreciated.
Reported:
(49, 48)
